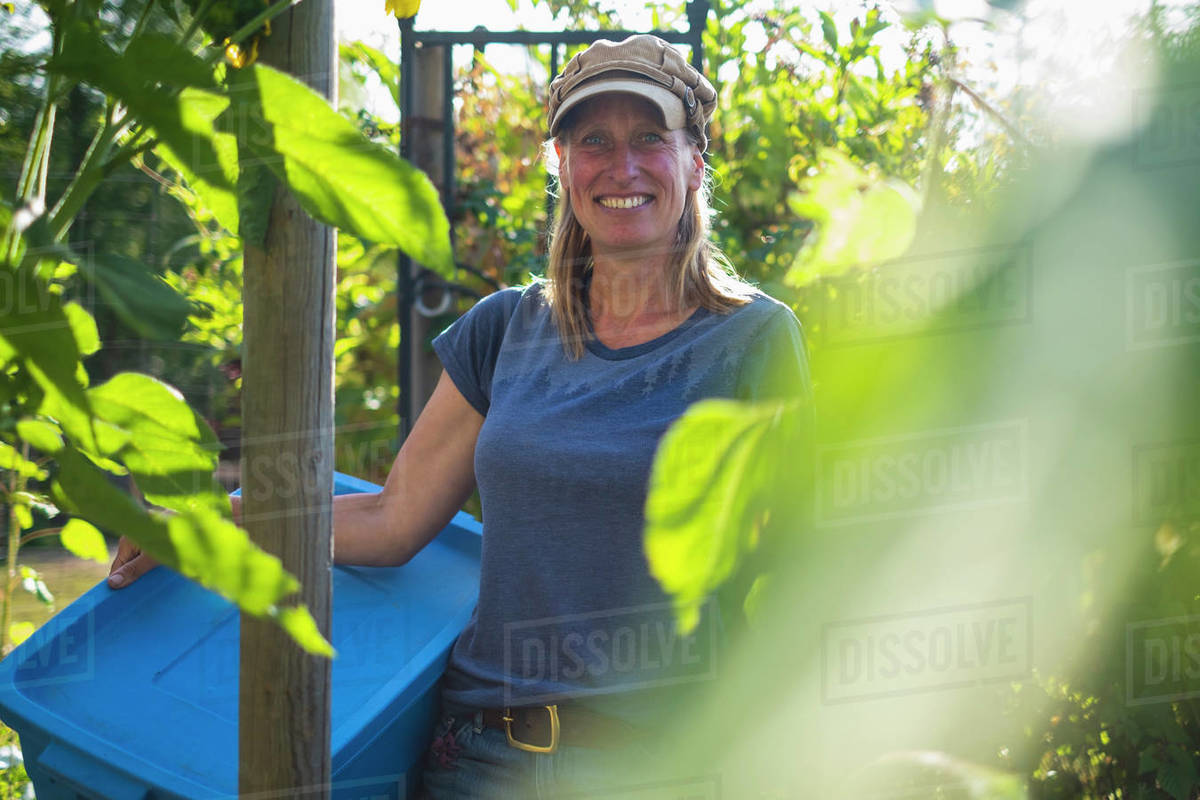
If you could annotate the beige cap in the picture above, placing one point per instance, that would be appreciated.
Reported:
(643, 65)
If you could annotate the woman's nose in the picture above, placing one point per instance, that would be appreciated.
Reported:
(624, 161)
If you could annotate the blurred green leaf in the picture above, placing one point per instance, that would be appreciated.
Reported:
(298, 621)
(707, 488)
(87, 337)
(829, 30)
(861, 220)
(84, 540)
(387, 69)
(20, 631)
(41, 435)
(143, 301)
(10, 459)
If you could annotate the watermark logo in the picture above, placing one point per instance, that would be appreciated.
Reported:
(930, 650)
(596, 653)
(1162, 305)
(1166, 479)
(914, 474)
(1170, 123)
(31, 299)
(53, 658)
(940, 293)
(369, 645)
(276, 466)
(1162, 660)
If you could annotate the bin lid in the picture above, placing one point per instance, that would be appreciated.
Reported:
(144, 680)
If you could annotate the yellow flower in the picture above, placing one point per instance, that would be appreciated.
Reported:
(239, 56)
(402, 9)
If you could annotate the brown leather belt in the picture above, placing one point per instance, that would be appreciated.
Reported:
(541, 729)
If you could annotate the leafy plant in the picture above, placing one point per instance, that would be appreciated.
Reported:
(165, 95)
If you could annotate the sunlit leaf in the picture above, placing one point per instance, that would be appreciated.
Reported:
(707, 486)
(211, 172)
(38, 331)
(84, 540)
(200, 544)
(20, 631)
(83, 326)
(171, 450)
(861, 220)
(339, 176)
(12, 460)
(41, 435)
(298, 621)
(85, 56)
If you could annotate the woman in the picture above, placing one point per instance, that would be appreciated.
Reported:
(553, 400)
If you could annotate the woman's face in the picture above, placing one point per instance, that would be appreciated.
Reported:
(626, 176)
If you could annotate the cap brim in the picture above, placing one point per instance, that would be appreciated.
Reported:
(667, 102)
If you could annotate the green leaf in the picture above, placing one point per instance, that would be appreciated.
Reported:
(171, 451)
(386, 68)
(84, 540)
(12, 460)
(143, 301)
(200, 544)
(861, 220)
(160, 58)
(41, 435)
(338, 175)
(36, 330)
(829, 30)
(707, 487)
(20, 631)
(1178, 776)
(297, 621)
(211, 172)
(86, 57)
(23, 514)
(83, 327)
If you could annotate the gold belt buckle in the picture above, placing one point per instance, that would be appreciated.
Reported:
(532, 748)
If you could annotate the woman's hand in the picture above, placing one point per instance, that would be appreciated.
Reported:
(129, 565)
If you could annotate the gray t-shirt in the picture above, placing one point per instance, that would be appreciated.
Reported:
(567, 606)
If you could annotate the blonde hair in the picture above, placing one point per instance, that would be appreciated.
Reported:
(700, 272)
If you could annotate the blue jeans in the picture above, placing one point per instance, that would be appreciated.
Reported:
(466, 760)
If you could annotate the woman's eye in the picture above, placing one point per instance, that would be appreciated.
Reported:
(593, 138)
(652, 138)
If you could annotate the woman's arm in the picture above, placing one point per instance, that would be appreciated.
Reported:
(431, 478)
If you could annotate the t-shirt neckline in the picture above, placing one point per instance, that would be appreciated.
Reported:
(601, 350)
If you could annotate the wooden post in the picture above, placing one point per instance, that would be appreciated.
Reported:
(287, 452)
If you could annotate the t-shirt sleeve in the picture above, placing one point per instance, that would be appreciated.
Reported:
(776, 364)
(468, 348)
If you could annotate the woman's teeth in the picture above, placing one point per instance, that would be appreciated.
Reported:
(625, 202)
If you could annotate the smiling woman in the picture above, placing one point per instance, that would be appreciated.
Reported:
(571, 674)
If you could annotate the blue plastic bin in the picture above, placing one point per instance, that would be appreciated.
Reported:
(132, 694)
